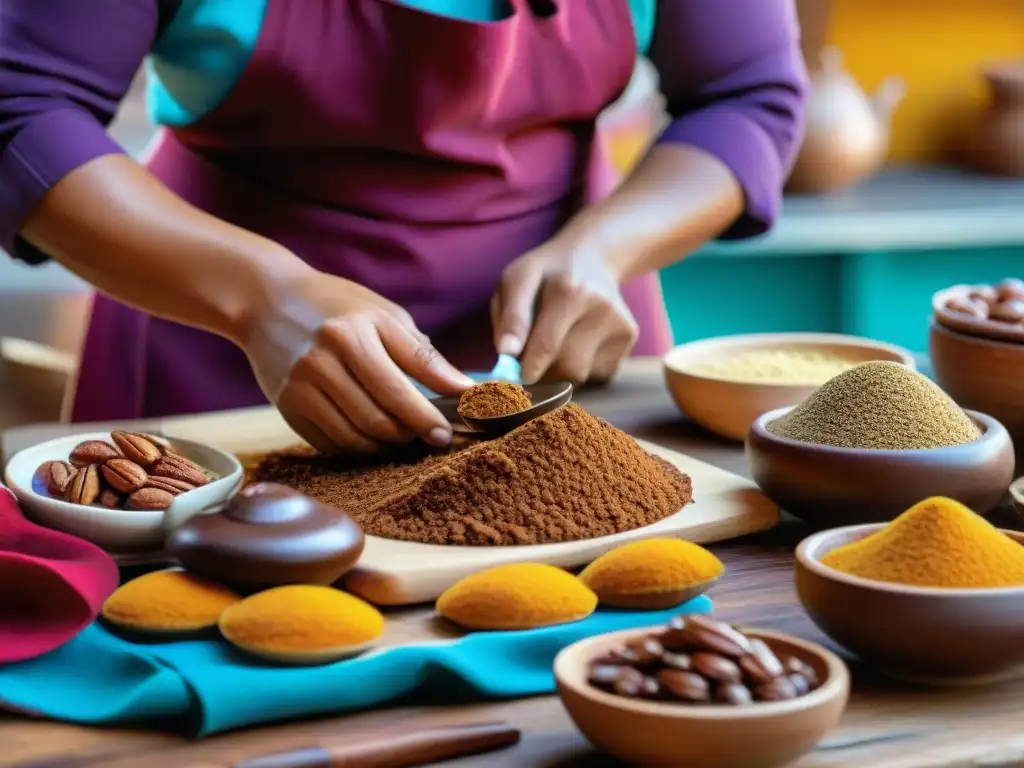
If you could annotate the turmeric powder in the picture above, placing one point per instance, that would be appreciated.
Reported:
(168, 601)
(301, 618)
(936, 543)
(652, 573)
(517, 596)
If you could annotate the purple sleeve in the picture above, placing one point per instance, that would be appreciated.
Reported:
(736, 86)
(65, 65)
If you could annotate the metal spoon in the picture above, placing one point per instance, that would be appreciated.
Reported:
(545, 397)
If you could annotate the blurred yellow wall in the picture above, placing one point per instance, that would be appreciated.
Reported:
(938, 47)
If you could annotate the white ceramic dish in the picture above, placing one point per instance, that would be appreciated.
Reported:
(119, 530)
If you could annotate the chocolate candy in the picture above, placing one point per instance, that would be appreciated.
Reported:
(269, 535)
(698, 660)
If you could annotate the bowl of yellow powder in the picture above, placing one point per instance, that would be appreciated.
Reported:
(936, 596)
(871, 442)
(724, 383)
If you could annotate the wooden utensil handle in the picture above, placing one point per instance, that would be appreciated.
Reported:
(396, 751)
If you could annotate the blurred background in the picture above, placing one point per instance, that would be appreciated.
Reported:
(911, 179)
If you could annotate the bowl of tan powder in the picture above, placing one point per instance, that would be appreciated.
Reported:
(724, 383)
(935, 596)
(871, 442)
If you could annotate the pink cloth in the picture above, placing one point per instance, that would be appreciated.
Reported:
(415, 154)
(52, 585)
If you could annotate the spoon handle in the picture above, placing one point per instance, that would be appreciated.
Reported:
(401, 750)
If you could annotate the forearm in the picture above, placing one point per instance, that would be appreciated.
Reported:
(119, 228)
(675, 200)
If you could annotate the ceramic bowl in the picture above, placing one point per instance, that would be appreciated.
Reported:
(827, 486)
(983, 374)
(706, 735)
(728, 408)
(919, 634)
(118, 530)
(1017, 495)
(968, 325)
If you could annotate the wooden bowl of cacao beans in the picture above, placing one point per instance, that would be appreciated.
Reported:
(123, 491)
(687, 695)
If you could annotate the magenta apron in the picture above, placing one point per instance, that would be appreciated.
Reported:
(415, 154)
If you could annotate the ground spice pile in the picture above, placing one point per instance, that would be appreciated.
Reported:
(879, 405)
(562, 477)
(936, 543)
(492, 399)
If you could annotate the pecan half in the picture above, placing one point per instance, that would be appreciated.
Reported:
(172, 486)
(84, 487)
(124, 475)
(55, 476)
(110, 499)
(178, 467)
(149, 499)
(137, 447)
(92, 452)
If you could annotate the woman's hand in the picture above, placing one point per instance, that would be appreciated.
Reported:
(333, 356)
(560, 310)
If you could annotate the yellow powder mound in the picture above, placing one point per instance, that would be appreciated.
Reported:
(168, 601)
(517, 596)
(301, 618)
(936, 543)
(649, 567)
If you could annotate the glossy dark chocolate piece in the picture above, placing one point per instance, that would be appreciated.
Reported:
(269, 535)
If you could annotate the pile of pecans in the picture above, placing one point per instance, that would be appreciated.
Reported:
(133, 471)
(1003, 303)
(698, 660)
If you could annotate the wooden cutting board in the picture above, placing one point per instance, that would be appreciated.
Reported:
(395, 573)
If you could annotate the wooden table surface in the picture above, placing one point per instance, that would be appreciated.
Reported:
(886, 724)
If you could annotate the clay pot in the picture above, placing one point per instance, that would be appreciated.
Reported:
(267, 536)
(998, 143)
(847, 136)
(815, 17)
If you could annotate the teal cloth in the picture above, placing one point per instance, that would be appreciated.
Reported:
(206, 686)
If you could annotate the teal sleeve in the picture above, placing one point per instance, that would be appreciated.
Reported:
(200, 56)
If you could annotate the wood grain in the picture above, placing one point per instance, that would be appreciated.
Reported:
(887, 723)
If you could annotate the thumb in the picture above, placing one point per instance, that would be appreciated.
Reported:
(516, 299)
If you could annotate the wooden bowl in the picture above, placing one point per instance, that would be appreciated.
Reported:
(674, 735)
(728, 408)
(919, 634)
(983, 374)
(828, 486)
(971, 326)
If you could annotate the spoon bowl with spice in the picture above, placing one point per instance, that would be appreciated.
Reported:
(494, 408)
(935, 597)
(725, 383)
(702, 693)
(873, 441)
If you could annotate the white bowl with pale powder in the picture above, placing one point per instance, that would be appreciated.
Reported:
(725, 383)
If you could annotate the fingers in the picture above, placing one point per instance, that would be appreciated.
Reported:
(575, 360)
(418, 358)
(316, 419)
(561, 305)
(360, 346)
(348, 396)
(513, 306)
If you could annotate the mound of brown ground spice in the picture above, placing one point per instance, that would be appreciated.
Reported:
(492, 399)
(562, 477)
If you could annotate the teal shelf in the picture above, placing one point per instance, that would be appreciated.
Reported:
(864, 262)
